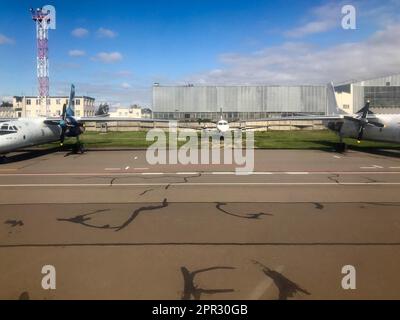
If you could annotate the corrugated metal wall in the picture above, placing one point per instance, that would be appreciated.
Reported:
(358, 89)
(307, 99)
(393, 80)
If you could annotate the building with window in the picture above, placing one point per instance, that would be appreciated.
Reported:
(30, 106)
(383, 94)
(135, 113)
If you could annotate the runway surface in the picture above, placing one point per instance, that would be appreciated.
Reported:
(115, 227)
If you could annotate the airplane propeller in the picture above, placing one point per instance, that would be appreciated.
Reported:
(363, 122)
(63, 124)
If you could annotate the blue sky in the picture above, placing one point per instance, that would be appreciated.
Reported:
(115, 50)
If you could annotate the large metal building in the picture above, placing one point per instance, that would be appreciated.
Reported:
(237, 102)
(383, 94)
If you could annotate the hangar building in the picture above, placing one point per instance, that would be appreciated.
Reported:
(193, 102)
(237, 102)
(383, 94)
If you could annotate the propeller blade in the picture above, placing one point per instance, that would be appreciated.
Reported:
(365, 111)
(62, 136)
(360, 133)
(376, 124)
(64, 111)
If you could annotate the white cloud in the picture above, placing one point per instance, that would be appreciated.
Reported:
(106, 33)
(5, 40)
(126, 85)
(108, 57)
(80, 32)
(298, 62)
(76, 53)
(324, 18)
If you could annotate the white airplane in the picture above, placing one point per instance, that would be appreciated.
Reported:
(365, 125)
(28, 132)
(222, 127)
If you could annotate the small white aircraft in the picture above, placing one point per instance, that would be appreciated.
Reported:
(222, 127)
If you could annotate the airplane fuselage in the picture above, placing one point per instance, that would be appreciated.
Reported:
(222, 126)
(22, 133)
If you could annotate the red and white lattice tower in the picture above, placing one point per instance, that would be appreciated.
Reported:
(42, 19)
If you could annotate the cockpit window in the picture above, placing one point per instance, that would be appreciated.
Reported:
(7, 129)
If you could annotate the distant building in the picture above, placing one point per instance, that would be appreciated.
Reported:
(383, 94)
(126, 113)
(194, 102)
(30, 106)
(7, 112)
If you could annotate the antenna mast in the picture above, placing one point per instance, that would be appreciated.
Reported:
(42, 19)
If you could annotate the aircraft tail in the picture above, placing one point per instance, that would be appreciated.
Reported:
(332, 108)
(71, 102)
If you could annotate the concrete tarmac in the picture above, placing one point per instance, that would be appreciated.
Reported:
(115, 227)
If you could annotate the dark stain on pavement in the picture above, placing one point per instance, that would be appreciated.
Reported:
(257, 215)
(83, 219)
(334, 178)
(318, 205)
(190, 289)
(145, 191)
(14, 223)
(24, 296)
(287, 288)
(139, 210)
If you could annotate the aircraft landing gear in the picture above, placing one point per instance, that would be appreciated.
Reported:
(78, 147)
(341, 146)
(3, 159)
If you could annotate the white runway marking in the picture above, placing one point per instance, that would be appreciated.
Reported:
(337, 157)
(223, 173)
(372, 167)
(54, 185)
(261, 173)
(152, 173)
(77, 174)
(297, 173)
